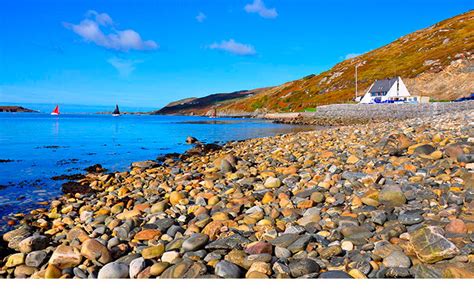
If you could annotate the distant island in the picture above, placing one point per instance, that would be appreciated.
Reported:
(15, 109)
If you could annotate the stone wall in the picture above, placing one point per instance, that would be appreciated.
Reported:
(384, 111)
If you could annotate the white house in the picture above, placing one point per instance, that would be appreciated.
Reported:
(387, 90)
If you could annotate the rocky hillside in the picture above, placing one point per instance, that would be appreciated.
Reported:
(204, 105)
(437, 61)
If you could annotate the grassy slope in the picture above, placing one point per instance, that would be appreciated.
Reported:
(405, 57)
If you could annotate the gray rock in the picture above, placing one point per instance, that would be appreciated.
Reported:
(229, 242)
(303, 267)
(36, 258)
(164, 224)
(32, 243)
(410, 218)
(282, 253)
(195, 242)
(285, 240)
(397, 259)
(114, 270)
(227, 270)
(300, 244)
(379, 217)
(136, 266)
(335, 275)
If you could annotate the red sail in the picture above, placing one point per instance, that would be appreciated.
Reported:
(56, 110)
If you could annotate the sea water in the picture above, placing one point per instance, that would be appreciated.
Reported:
(34, 147)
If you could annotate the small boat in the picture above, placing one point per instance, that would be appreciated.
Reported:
(55, 112)
(116, 112)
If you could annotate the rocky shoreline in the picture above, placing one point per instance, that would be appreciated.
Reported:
(381, 200)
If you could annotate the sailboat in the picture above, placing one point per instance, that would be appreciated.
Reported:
(55, 112)
(116, 112)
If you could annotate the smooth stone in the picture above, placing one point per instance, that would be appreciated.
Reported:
(303, 267)
(170, 256)
(158, 268)
(282, 253)
(33, 243)
(52, 272)
(65, 257)
(114, 270)
(36, 258)
(15, 259)
(300, 244)
(397, 259)
(272, 182)
(152, 252)
(456, 226)
(410, 218)
(334, 275)
(392, 196)
(228, 270)
(330, 252)
(347, 246)
(195, 242)
(136, 266)
(94, 250)
(259, 247)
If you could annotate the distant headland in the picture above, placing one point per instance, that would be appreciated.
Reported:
(15, 109)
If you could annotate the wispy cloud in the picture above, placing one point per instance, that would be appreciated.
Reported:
(123, 66)
(234, 47)
(201, 17)
(259, 7)
(352, 55)
(100, 29)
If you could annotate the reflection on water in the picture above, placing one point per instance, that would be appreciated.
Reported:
(42, 146)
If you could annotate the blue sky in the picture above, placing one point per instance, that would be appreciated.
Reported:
(148, 53)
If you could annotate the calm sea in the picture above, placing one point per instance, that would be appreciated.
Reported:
(34, 147)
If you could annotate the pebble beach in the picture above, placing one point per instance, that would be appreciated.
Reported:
(378, 200)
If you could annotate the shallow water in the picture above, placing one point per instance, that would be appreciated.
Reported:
(42, 146)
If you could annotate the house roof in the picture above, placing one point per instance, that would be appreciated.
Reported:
(383, 85)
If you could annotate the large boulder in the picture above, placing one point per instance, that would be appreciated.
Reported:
(431, 246)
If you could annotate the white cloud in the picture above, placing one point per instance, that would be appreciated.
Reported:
(124, 67)
(92, 28)
(259, 7)
(234, 47)
(351, 55)
(201, 17)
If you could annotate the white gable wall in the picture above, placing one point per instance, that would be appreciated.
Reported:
(367, 98)
(402, 90)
